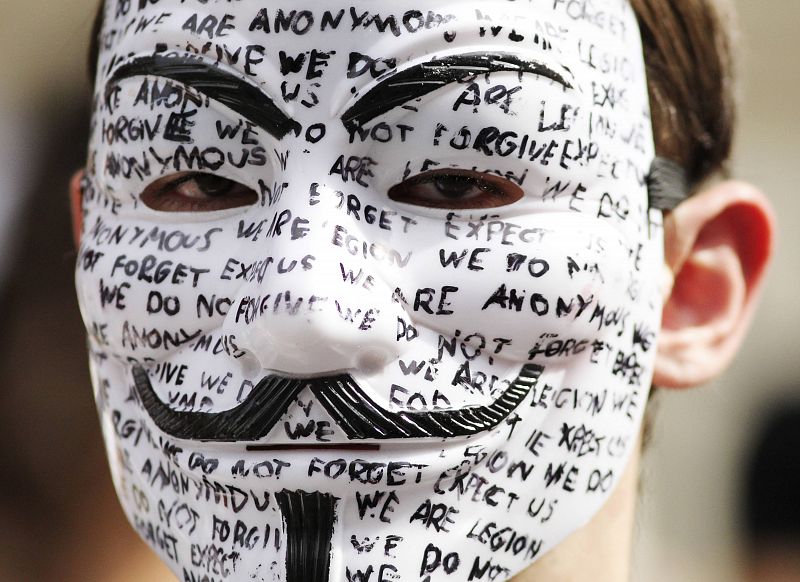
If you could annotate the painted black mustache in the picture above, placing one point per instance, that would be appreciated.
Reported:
(358, 415)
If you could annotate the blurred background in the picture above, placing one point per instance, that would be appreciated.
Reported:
(702, 513)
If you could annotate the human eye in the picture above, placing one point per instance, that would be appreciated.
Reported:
(456, 189)
(196, 192)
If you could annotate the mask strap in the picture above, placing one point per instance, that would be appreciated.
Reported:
(667, 184)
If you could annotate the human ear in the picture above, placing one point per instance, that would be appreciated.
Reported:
(717, 246)
(75, 199)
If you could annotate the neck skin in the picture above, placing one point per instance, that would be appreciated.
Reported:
(601, 550)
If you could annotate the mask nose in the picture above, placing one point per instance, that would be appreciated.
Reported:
(321, 305)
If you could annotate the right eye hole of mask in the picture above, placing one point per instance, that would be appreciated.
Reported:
(456, 190)
(197, 192)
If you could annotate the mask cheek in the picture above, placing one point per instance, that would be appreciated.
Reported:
(138, 285)
(104, 302)
(552, 299)
(114, 307)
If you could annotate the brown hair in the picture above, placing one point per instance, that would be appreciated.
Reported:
(687, 55)
(689, 74)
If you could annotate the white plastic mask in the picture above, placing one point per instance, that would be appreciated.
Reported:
(410, 334)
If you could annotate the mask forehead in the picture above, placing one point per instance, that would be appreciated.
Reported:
(397, 24)
(589, 39)
(331, 365)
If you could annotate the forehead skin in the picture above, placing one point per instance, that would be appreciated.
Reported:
(474, 374)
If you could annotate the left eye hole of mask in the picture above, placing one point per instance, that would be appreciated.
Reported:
(197, 192)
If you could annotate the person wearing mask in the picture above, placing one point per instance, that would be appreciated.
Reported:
(378, 292)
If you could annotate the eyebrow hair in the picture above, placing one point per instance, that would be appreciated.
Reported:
(417, 81)
(239, 95)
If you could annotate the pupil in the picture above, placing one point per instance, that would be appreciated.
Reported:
(213, 185)
(453, 186)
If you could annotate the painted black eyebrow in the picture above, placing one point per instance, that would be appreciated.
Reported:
(417, 81)
(242, 97)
